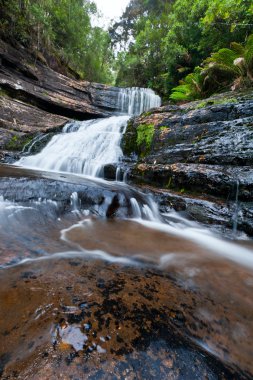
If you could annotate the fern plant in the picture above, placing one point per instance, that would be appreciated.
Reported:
(248, 56)
(230, 67)
(190, 88)
(227, 68)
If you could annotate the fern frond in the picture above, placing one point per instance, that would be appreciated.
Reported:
(237, 48)
(179, 96)
(249, 51)
(224, 71)
(223, 56)
(190, 87)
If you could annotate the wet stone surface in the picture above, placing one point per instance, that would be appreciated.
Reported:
(88, 294)
(78, 318)
(201, 148)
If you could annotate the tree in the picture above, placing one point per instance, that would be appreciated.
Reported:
(228, 68)
(168, 39)
(63, 29)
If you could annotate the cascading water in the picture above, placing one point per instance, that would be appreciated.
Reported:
(134, 101)
(53, 279)
(86, 147)
(82, 147)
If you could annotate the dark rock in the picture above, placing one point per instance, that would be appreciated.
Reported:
(218, 134)
(198, 178)
(20, 122)
(210, 211)
(26, 185)
(110, 172)
(35, 98)
(199, 149)
(43, 87)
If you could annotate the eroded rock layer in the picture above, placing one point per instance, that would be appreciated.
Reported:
(202, 149)
(36, 98)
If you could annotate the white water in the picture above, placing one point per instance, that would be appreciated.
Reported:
(86, 147)
(83, 147)
(134, 101)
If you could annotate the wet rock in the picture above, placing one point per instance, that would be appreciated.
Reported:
(35, 98)
(210, 211)
(198, 178)
(174, 331)
(4, 359)
(110, 172)
(201, 148)
(214, 134)
(26, 185)
(20, 122)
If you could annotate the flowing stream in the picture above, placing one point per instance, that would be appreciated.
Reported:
(82, 147)
(138, 295)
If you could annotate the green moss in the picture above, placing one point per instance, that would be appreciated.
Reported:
(12, 143)
(17, 143)
(145, 133)
(3, 92)
(128, 142)
(145, 114)
(211, 102)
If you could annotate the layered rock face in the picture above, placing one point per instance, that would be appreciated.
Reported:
(199, 149)
(35, 98)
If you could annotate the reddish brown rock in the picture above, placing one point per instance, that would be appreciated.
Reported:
(36, 98)
(82, 318)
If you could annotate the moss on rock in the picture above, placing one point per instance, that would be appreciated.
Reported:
(16, 143)
(145, 134)
(128, 143)
(138, 139)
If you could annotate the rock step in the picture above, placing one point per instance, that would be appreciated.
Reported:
(198, 178)
(221, 134)
(209, 211)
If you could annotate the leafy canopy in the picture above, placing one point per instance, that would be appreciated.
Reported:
(60, 28)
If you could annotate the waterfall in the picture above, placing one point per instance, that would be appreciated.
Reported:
(82, 147)
(86, 147)
(134, 101)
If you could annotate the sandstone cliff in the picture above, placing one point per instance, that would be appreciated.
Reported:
(34, 98)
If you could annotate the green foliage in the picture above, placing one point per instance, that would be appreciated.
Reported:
(248, 56)
(164, 41)
(161, 42)
(145, 134)
(190, 88)
(63, 29)
(230, 67)
(225, 69)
